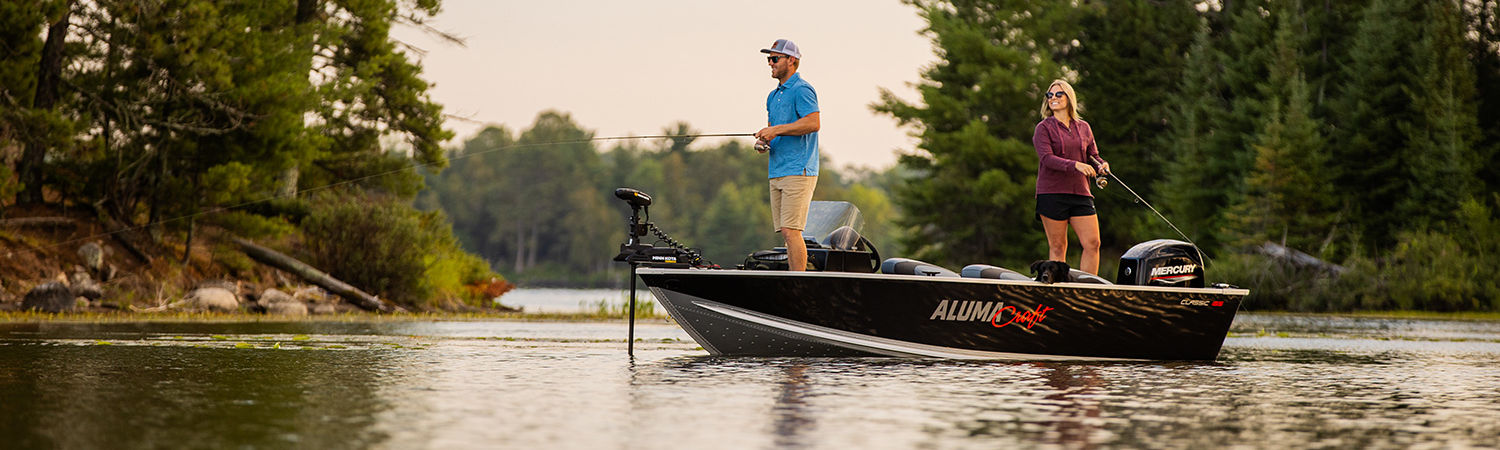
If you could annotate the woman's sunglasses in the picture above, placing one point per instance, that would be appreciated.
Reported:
(1056, 94)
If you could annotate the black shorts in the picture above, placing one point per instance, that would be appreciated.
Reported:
(1064, 206)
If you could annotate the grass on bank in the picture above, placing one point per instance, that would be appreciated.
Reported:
(604, 314)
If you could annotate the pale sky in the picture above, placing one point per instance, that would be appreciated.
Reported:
(635, 67)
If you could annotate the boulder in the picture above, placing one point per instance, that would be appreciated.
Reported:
(297, 309)
(212, 299)
(93, 256)
(221, 284)
(88, 289)
(273, 295)
(310, 294)
(325, 308)
(52, 297)
(85, 286)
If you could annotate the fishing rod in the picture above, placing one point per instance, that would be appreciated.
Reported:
(1100, 181)
(389, 172)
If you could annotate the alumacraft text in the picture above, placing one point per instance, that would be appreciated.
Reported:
(993, 312)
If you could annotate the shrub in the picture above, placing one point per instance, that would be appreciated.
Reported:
(9, 185)
(391, 250)
(1435, 270)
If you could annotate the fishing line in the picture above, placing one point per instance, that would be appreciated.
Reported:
(381, 174)
(1143, 201)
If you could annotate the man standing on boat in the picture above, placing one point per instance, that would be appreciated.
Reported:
(792, 139)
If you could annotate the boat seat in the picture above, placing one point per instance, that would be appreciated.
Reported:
(992, 272)
(843, 238)
(1079, 276)
(904, 266)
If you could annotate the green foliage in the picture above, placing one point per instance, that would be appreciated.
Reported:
(1440, 169)
(1286, 199)
(1191, 189)
(970, 198)
(389, 249)
(9, 185)
(541, 207)
(1370, 110)
(1430, 270)
(1330, 126)
(250, 225)
(1132, 56)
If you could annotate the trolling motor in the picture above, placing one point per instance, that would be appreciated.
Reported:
(636, 253)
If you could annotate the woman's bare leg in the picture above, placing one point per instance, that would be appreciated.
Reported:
(1087, 229)
(1057, 238)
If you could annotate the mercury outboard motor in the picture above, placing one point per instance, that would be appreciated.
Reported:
(1162, 262)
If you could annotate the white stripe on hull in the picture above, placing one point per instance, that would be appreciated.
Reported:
(866, 343)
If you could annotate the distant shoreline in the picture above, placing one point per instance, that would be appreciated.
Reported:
(15, 317)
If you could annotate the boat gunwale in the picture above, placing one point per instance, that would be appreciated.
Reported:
(901, 277)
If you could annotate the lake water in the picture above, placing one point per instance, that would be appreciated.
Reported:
(546, 300)
(1281, 381)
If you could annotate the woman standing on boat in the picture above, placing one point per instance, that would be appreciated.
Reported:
(1069, 158)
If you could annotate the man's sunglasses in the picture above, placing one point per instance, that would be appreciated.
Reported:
(1056, 94)
(775, 59)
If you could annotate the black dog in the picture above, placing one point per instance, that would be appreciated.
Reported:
(1049, 272)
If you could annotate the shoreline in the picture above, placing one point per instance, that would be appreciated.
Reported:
(15, 317)
(18, 317)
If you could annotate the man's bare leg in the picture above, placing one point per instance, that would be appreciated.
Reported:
(796, 250)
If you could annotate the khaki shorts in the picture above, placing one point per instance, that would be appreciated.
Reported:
(790, 197)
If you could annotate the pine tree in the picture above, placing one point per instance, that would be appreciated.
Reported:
(1440, 169)
(1371, 108)
(1244, 61)
(1131, 57)
(1287, 201)
(1192, 189)
(972, 198)
(1484, 51)
(1220, 110)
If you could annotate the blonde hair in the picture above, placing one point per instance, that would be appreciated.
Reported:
(1073, 108)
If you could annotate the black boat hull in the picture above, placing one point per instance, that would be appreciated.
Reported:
(772, 313)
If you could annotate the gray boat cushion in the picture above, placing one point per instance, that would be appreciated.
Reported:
(993, 272)
(1079, 276)
(904, 266)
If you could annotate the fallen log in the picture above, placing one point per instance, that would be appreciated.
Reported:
(313, 275)
(38, 222)
(1298, 258)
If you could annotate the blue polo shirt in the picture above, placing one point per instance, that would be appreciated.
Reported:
(792, 155)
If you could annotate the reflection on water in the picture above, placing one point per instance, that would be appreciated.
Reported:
(1281, 381)
(549, 300)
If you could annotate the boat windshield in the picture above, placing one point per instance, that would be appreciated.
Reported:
(824, 216)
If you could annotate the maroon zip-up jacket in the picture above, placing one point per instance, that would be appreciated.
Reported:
(1059, 147)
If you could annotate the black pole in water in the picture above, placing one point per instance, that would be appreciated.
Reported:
(630, 341)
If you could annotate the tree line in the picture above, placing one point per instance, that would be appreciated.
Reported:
(246, 115)
(538, 203)
(1355, 131)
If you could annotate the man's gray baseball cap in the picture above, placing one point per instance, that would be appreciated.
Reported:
(784, 47)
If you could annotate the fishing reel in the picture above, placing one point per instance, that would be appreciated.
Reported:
(1099, 178)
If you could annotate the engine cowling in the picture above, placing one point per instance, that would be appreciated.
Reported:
(1162, 262)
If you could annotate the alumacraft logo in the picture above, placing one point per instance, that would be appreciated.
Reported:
(993, 312)
(1174, 274)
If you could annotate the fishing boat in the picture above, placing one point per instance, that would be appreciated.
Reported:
(853, 303)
